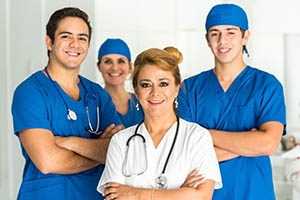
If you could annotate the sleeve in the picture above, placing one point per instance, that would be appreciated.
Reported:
(272, 107)
(204, 156)
(184, 110)
(29, 108)
(113, 165)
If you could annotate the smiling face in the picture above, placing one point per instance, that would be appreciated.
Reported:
(156, 91)
(71, 43)
(226, 43)
(115, 69)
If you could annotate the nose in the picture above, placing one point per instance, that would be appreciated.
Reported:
(155, 90)
(222, 38)
(74, 42)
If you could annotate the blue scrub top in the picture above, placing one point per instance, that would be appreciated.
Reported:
(37, 104)
(255, 97)
(133, 116)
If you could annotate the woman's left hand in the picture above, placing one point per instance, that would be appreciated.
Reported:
(193, 179)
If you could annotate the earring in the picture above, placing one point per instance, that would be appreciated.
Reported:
(137, 106)
(176, 103)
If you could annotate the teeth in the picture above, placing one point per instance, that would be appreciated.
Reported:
(115, 74)
(72, 53)
(156, 101)
(223, 50)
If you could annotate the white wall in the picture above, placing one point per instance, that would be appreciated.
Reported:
(143, 24)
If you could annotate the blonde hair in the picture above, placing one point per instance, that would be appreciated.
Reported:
(167, 59)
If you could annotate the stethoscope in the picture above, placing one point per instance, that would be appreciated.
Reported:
(161, 181)
(71, 115)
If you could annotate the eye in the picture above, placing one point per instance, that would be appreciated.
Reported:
(65, 36)
(83, 39)
(145, 85)
(121, 61)
(163, 84)
(107, 61)
(213, 34)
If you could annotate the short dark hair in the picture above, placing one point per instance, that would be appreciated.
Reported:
(59, 15)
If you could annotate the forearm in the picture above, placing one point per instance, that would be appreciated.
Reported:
(50, 158)
(93, 149)
(250, 143)
(203, 191)
(224, 155)
(67, 162)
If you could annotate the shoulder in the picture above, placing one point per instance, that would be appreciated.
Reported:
(192, 128)
(197, 79)
(95, 87)
(198, 76)
(31, 83)
(261, 74)
(123, 135)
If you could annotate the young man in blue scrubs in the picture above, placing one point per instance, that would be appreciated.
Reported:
(243, 107)
(58, 116)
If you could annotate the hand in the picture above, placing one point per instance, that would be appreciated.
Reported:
(193, 179)
(119, 191)
(111, 130)
(63, 142)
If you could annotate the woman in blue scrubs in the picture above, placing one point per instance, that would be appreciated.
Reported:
(243, 107)
(114, 63)
(58, 116)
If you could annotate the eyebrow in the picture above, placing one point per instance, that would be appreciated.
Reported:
(228, 29)
(160, 79)
(69, 33)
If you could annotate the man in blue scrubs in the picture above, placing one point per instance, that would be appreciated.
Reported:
(58, 116)
(243, 107)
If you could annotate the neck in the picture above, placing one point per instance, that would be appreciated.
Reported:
(159, 125)
(67, 80)
(226, 73)
(116, 92)
(157, 128)
(63, 76)
(120, 97)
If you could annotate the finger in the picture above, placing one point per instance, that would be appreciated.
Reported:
(106, 131)
(114, 130)
(193, 173)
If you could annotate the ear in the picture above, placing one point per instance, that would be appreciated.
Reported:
(98, 65)
(177, 90)
(207, 41)
(48, 42)
(246, 37)
(130, 67)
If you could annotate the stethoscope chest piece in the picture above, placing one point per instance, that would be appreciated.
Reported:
(71, 115)
(161, 181)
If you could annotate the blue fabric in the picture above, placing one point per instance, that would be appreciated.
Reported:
(37, 104)
(133, 116)
(114, 46)
(255, 97)
(227, 14)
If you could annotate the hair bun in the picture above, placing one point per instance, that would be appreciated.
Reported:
(175, 53)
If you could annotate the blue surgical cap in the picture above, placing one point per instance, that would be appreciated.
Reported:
(227, 14)
(114, 46)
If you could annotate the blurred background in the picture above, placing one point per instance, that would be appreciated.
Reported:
(274, 46)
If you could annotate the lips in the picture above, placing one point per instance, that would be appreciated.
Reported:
(156, 102)
(224, 50)
(73, 53)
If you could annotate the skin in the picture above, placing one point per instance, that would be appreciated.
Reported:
(54, 154)
(156, 92)
(226, 43)
(115, 69)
